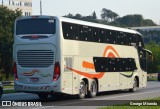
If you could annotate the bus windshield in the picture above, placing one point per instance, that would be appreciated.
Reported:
(35, 26)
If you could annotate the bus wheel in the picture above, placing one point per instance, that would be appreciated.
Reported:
(93, 89)
(43, 96)
(82, 90)
(134, 86)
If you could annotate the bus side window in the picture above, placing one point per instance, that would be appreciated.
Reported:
(111, 36)
(70, 31)
(131, 64)
(85, 33)
(95, 35)
(139, 41)
(142, 57)
(102, 35)
(121, 64)
(112, 65)
(131, 39)
(100, 64)
(121, 38)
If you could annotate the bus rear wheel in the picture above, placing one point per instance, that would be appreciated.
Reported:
(93, 89)
(134, 86)
(43, 96)
(82, 90)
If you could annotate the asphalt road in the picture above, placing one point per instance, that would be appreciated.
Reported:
(71, 102)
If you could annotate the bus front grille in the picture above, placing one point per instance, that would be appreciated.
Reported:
(35, 58)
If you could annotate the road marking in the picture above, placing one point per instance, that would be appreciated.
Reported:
(126, 95)
(44, 107)
(106, 98)
(95, 99)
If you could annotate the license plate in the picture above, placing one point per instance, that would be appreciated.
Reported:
(34, 79)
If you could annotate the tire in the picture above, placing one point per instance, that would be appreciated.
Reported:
(1, 92)
(134, 89)
(93, 89)
(43, 96)
(82, 90)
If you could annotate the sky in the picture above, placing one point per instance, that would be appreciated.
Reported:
(148, 8)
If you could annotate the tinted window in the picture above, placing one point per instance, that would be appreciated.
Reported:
(35, 26)
(140, 41)
(111, 36)
(102, 35)
(70, 31)
(122, 38)
(96, 34)
(142, 59)
(114, 64)
(132, 39)
(85, 33)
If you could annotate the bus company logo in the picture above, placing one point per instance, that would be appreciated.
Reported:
(31, 73)
(108, 52)
(35, 71)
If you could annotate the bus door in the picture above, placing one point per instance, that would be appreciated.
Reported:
(75, 76)
(70, 79)
(67, 75)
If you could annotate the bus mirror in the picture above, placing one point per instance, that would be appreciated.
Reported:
(150, 56)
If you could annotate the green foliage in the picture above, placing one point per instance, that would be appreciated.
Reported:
(94, 15)
(7, 18)
(90, 18)
(108, 15)
(135, 20)
(153, 67)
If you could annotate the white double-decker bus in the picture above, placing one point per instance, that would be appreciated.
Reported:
(61, 55)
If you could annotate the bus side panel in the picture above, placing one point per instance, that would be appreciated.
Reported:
(144, 77)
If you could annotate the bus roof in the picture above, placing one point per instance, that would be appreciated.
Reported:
(86, 23)
(98, 25)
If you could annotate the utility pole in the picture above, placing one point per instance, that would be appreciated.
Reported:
(40, 7)
(2, 2)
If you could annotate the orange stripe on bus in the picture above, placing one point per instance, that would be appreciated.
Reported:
(88, 65)
(111, 55)
(88, 75)
(107, 48)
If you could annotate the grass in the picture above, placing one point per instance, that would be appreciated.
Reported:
(123, 106)
(8, 86)
(152, 79)
(8, 91)
(131, 107)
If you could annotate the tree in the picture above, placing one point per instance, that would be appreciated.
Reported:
(154, 66)
(148, 22)
(90, 18)
(108, 15)
(78, 16)
(69, 15)
(94, 15)
(7, 19)
(135, 20)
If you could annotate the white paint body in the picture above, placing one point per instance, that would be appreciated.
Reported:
(77, 51)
